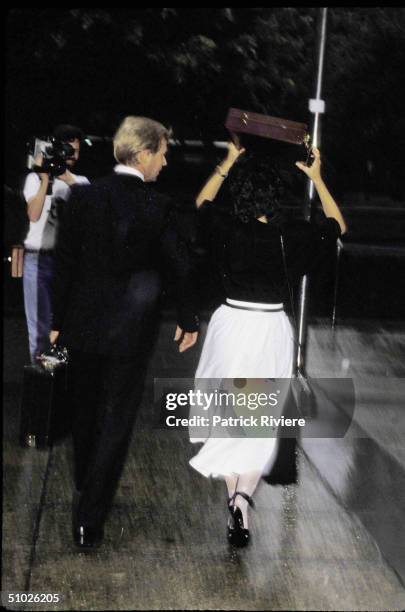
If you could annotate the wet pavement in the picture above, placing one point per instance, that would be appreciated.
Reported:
(332, 542)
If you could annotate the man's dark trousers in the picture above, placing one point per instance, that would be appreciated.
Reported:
(105, 393)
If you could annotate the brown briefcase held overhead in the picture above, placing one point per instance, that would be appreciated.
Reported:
(242, 124)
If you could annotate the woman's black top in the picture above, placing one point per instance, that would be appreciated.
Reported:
(249, 259)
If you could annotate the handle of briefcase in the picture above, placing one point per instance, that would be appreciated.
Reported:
(306, 399)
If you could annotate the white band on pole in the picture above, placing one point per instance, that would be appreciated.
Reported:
(316, 105)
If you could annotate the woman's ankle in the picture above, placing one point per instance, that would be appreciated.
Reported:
(243, 505)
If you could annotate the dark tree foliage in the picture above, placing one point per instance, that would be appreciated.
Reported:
(186, 67)
(365, 89)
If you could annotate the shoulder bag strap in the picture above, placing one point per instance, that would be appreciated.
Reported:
(309, 404)
(290, 289)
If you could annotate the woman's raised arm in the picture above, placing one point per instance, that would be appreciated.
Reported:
(330, 208)
(214, 183)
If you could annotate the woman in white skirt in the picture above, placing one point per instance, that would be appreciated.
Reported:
(250, 335)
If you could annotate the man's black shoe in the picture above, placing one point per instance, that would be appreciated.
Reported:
(88, 537)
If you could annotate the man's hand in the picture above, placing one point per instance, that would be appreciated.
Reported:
(67, 177)
(53, 337)
(189, 339)
(314, 170)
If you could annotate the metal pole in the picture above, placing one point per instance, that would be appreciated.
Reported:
(317, 107)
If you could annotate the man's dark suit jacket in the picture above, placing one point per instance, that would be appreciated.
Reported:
(115, 239)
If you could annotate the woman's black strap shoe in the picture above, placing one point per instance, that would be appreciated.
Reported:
(237, 534)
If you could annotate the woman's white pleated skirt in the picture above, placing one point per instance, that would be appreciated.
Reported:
(242, 344)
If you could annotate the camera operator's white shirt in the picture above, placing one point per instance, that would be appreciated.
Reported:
(42, 233)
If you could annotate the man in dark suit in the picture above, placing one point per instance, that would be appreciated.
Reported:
(115, 236)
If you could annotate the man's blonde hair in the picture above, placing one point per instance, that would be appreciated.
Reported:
(135, 134)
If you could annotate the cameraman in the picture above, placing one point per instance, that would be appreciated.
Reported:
(43, 192)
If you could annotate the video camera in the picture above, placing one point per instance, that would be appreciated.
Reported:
(55, 153)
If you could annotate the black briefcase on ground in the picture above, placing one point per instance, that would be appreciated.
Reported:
(45, 414)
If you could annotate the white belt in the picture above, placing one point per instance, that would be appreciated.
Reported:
(257, 306)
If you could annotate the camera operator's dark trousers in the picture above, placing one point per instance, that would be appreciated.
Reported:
(105, 393)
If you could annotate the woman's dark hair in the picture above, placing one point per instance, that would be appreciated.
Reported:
(67, 133)
(255, 187)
